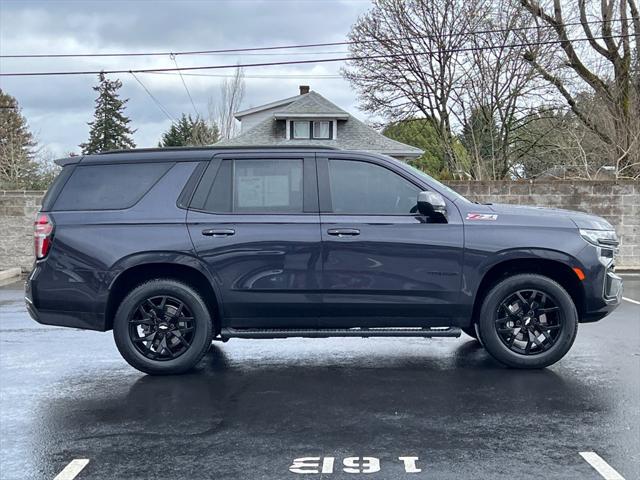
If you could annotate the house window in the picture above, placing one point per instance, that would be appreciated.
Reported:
(301, 130)
(322, 130)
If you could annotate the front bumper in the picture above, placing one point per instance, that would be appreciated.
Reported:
(603, 297)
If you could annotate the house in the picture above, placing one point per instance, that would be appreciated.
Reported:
(311, 119)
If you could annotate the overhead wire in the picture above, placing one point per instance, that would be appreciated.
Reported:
(195, 110)
(306, 61)
(155, 100)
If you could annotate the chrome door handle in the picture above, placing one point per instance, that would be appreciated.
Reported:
(218, 232)
(343, 232)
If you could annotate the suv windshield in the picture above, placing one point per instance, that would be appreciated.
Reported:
(456, 196)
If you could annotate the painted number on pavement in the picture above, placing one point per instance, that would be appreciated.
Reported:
(305, 465)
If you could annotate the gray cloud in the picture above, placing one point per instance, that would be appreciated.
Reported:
(58, 108)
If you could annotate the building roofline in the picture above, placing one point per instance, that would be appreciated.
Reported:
(266, 106)
(285, 115)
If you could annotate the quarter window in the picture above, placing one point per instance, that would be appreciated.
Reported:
(369, 189)
(264, 186)
(109, 187)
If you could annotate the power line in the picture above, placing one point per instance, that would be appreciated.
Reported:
(195, 110)
(302, 62)
(266, 76)
(286, 47)
(155, 100)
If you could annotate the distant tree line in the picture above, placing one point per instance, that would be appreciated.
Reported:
(495, 89)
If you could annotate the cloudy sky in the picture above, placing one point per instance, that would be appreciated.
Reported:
(57, 108)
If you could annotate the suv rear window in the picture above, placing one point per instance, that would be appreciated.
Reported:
(109, 187)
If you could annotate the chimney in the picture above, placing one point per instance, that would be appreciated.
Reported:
(304, 89)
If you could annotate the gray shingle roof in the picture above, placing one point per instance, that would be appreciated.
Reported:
(352, 133)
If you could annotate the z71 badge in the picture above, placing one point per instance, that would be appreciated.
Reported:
(481, 216)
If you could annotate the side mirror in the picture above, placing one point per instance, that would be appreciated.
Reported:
(431, 204)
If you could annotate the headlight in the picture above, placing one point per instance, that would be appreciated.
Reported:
(600, 238)
(605, 241)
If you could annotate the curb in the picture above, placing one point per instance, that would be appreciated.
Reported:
(10, 273)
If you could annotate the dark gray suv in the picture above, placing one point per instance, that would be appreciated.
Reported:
(174, 248)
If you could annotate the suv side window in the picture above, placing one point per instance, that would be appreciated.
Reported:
(109, 187)
(261, 186)
(368, 189)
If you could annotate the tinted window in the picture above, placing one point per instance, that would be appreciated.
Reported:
(55, 187)
(270, 186)
(108, 187)
(365, 188)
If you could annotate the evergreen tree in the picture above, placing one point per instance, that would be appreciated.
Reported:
(422, 133)
(190, 132)
(110, 127)
(17, 165)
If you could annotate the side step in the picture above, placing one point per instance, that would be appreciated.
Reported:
(339, 332)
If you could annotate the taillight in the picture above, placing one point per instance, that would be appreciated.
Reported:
(43, 228)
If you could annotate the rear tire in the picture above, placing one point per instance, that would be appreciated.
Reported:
(163, 327)
(528, 321)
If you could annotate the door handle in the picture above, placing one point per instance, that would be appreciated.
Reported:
(218, 232)
(343, 232)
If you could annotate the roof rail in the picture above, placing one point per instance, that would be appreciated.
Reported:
(222, 147)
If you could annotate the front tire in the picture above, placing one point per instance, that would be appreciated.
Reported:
(528, 321)
(163, 327)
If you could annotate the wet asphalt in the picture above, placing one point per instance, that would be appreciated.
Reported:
(253, 406)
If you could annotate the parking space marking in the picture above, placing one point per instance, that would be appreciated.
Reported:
(631, 300)
(72, 470)
(602, 467)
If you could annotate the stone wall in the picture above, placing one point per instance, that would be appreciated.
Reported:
(17, 212)
(618, 202)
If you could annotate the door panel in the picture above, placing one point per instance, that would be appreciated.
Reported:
(267, 265)
(385, 269)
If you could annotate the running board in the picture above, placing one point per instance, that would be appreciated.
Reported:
(227, 333)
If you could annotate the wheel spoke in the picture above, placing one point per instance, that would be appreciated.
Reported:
(527, 349)
(143, 321)
(181, 340)
(548, 310)
(522, 299)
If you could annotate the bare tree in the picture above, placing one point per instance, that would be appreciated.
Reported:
(407, 62)
(231, 96)
(602, 65)
(500, 87)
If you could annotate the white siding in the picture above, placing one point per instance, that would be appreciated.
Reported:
(253, 119)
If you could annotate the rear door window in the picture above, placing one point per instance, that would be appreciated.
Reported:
(261, 186)
(109, 187)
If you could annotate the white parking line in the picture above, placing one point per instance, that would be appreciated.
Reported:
(72, 470)
(602, 467)
(631, 300)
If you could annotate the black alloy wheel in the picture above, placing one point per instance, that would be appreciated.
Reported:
(528, 322)
(161, 327)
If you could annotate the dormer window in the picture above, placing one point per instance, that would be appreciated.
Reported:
(312, 129)
(322, 130)
(301, 130)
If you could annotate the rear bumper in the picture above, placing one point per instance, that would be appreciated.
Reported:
(62, 318)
